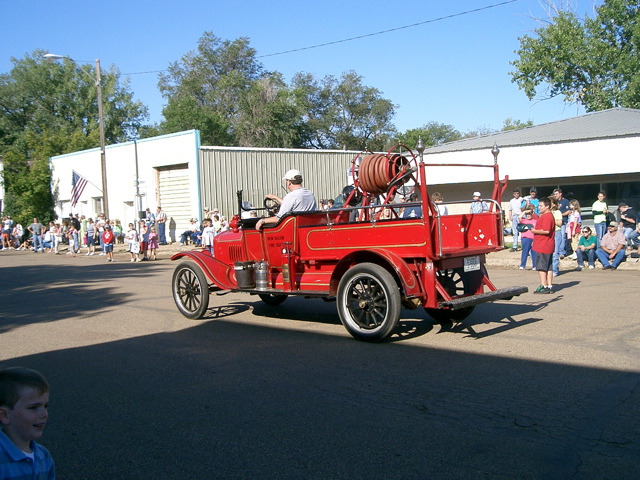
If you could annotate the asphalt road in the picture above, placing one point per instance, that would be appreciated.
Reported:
(540, 387)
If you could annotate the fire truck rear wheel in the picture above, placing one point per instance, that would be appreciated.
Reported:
(190, 290)
(272, 299)
(369, 302)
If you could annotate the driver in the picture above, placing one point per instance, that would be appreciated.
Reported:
(299, 199)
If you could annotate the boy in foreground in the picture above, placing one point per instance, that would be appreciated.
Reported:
(24, 403)
(544, 245)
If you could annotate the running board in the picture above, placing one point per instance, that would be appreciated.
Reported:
(500, 294)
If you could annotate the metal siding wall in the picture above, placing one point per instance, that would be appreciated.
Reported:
(258, 172)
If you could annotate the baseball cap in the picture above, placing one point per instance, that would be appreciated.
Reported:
(292, 174)
(533, 189)
(477, 194)
(622, 204)
(613, 224)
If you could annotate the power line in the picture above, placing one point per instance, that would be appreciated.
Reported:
(390, 30)
(382, 32)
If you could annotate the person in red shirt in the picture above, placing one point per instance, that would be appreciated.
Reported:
(108, 238)
(544, 245)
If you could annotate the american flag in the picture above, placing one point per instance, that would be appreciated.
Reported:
(78, 182)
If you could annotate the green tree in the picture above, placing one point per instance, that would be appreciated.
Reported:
(343, 113)
(268, 115)
(51, 109)
(592, 61)
(432, 133)
(513, 124)
(206, 88)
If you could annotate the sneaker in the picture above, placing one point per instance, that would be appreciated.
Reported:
(92, 253)
(521, 268)
(533, 269)
(555, 274)
(513, 250)
(591, 267)
(573, 256)
(137, 259)
(132, 260)
(579, 268)
(540, 289)
(606, 267)
(549, 289)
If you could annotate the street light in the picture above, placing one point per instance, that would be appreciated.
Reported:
(52, 58)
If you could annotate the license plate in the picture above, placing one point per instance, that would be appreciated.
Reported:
(471, 263)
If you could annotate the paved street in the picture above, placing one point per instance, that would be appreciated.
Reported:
(540, 387)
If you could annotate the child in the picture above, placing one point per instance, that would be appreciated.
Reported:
(72, 235)
(144, 239)
(132, 240)
(24, 401)
(573, 226)
(153, 243)
(208, 232)
(544, 245)
(108, 239)
(527, 222)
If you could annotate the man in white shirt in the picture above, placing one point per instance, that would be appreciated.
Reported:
(515, 212)
(299, 199)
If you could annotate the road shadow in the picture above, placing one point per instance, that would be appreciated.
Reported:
(239, 401)
(36, 293)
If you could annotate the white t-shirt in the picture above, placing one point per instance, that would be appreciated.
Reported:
(131, 236)
(515, 205)
(207, 236)
(298, 200)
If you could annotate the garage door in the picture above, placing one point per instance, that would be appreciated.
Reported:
(174, 197)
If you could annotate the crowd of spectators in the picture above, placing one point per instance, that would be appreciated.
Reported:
(610, 244)
(86, 236)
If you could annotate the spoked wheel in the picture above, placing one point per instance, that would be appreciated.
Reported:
(190, 290)
(272, 298)
(455, 282)
(369, 302)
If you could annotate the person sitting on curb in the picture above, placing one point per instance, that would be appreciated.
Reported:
(586, 248)
(612, 248)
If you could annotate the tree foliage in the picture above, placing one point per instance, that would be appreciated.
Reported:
(51, 109)
(343, 113)
(206, 88)
(432, 133)
(592, 61)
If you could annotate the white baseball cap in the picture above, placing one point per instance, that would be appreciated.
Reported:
(476, 194)
(292, 174)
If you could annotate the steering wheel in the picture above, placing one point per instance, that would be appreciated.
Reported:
(271, 206)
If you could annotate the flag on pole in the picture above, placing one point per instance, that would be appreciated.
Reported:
(78, 183)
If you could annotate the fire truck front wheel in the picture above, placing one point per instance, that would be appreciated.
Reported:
(190, 290)
(369, 302)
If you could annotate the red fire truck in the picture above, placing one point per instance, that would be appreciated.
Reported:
(365, 254)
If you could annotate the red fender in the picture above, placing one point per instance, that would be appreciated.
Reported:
(219, 273)
(407, 276)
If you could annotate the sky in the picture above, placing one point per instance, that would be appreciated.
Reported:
(447, 66)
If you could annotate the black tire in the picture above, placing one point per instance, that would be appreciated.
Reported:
(455, 282)
(369, 302)
(190, 290)
(272, 298)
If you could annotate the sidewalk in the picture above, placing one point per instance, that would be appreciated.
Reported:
(508, 259)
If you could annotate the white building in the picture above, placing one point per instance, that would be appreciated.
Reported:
(580, 155)
(165, 169)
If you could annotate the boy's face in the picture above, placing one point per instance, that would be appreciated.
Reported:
(26, 420)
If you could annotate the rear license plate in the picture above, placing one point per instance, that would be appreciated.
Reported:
(471, 263)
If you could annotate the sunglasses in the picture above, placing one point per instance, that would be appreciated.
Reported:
(586, 231)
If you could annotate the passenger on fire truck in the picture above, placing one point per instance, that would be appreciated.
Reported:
(299, 199)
